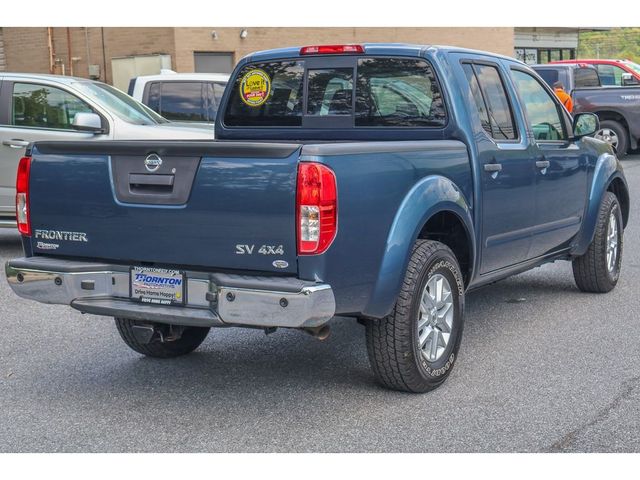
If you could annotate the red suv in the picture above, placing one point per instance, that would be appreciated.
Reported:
(618, 73)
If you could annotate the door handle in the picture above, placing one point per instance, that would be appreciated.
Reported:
(492, 167)
(15, 143)
(542, 164)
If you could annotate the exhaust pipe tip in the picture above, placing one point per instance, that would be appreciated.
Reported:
(321, 333)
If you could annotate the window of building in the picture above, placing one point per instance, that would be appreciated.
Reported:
(543, 112)
(532, 56)
(45, 107)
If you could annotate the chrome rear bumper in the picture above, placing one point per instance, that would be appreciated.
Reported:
(213, 299)
(8, 222)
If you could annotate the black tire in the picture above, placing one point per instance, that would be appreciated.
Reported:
(621, 132)
(392, 342)
(190, 339)
(590, 270)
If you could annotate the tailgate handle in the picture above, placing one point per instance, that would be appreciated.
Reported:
(151, 180)
(142, 184)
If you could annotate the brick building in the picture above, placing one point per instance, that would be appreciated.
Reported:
(115, 54)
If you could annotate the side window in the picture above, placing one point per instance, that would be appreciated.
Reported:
(42, 106)
(182, 101)
(397, 92)
(218, 90)
(497, 103)
(543, 112)
(153, 98)
(610, 75)
(214, 95)
(330, 91)
(549, 75)
(585, 77)
(477, 98)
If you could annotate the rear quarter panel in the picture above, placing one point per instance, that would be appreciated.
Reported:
(386, 191)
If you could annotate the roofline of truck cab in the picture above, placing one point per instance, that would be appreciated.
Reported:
(399, 49)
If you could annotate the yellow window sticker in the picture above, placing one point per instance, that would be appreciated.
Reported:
(255, 87)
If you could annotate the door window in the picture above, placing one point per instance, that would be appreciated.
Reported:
(585, 77)
(41, 106)
(543, 112)
(502, 125)
(481, 107)
(610, 75)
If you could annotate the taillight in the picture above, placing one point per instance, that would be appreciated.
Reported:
(22, 196)
(331, 49)
(316, 208)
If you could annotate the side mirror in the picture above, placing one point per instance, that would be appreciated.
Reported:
(87, 122)
(585, 124)
(628, 79)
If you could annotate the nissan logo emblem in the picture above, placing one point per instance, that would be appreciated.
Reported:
(152, 162)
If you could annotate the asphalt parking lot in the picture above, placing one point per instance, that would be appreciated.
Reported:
(542, 367)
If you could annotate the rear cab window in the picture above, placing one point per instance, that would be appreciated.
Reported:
(267, 95)
(336, 92)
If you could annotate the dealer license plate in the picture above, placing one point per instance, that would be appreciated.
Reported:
(157, 286)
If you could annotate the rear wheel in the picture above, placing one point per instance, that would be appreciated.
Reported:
(160, 340)
(615, 135)
(414, 348)
(598, 269)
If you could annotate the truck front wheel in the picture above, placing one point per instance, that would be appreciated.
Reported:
(160, 340)
(615, 134)
(415, 347)
(598, 269)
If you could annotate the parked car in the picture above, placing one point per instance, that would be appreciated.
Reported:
(618, 108)
(619, 73)
(181, 97)
(53, 107)
(380, 182)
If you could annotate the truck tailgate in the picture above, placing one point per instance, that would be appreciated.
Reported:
(219, 205)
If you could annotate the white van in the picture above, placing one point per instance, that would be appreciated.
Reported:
(181, 97)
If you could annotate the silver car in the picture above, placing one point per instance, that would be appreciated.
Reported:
(52, 107)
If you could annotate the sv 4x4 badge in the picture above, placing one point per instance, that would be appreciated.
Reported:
(263, 250)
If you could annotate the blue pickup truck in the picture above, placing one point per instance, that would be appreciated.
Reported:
(379, 182)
